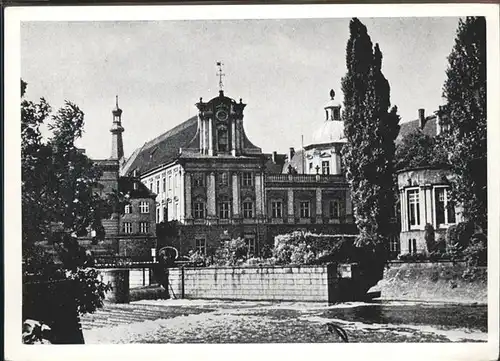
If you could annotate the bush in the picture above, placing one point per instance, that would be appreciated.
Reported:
(429, 236)
(413, 257)
(231, 253)
(460, 234)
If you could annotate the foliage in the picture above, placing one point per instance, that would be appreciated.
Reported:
(460, 234)
(419, 150)
(430, 237)
(59, 200)
(231, 252)
(306, 248)
(371, 129)
(475, 254)
(464, 116)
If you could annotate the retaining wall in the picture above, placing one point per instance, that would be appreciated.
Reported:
(432, 281)
(277, 283)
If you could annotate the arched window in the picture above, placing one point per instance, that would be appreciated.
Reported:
(222, 139)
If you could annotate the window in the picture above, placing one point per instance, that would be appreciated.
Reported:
(165, 213)
(176, 180)
(325, 167)
(222, 139)
(128, 209)
(199, 180)
(224, 209)
(144, 227)
(304, 209)
(334, 209)
(250, 243)
(200, 245)
(246, 179)
(413, 208)
(164, 184)
(144, 207)
(223, 179)
(412, 246)
(169, 182)
(127, 227)
(248, 209)
(199, 210)
(157, 215)
(445, 211)
(151, 186)
(158, 186)
(336, 113)
(310, 167)
(277, 209)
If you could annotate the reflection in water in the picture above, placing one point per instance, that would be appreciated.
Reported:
(445, 316)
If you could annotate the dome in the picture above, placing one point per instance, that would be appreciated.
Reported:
(330, 131)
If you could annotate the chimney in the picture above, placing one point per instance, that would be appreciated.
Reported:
(274, 156)
(421, 118)
(291, 153)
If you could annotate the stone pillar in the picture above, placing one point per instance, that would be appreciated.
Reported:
(259, 197)
(233, 137)
(348, 202)
(291, 215)
(210, 138)
(200, 126)
(120, 282)
(404, 216)
(236, 194)
(421, 202)
(187, 198)
(428, 204)
(319, 205)
(238, 136)
(211, 196)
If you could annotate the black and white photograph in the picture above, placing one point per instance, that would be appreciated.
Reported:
(252, 177)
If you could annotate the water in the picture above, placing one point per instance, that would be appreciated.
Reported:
(444, 316)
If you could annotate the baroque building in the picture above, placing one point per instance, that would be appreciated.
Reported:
(217, 185)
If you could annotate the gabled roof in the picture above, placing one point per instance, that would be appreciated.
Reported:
(430, 127)
(276, 166)
(163, 149)
(126, 186)
(297, 162)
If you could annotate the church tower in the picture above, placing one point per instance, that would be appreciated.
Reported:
(116, 133)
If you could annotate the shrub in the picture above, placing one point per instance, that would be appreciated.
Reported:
(460, 234)
(429, 237)
(231, 253)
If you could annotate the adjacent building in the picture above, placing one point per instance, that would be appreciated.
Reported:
(424, 192)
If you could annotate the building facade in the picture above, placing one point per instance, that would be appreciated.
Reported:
(424, 193)
(217, 185)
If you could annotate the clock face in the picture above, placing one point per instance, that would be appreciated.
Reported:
(221, 115)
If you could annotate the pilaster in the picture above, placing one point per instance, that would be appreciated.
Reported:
(319, 205)
(291, 215)
(236, 194)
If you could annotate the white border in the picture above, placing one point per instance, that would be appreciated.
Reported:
(12, 208)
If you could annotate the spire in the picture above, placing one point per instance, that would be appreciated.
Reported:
(116, 133)
(220, 74)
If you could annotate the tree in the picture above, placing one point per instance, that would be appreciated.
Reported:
(464, 117)
(59, 203)
(419, 150)
(58, 180)
(371, 130)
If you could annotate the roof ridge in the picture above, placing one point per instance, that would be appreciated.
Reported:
(178, 128)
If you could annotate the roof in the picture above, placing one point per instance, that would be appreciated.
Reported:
(297, 162)
(329, 131)
(430, 127)
(126, 186)
(276, 166)
(162, 149)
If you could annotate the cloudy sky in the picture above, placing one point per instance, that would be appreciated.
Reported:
(283, 70)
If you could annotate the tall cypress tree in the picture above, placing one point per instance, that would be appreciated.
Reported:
(371, 130)
(465, 120)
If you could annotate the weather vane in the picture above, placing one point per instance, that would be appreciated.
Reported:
(220, 74)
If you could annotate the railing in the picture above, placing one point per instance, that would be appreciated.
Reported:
(304, 178)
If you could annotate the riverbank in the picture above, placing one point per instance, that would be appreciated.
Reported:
(432, 282)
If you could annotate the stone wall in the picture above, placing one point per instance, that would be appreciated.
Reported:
(432, 281)
(278, 283)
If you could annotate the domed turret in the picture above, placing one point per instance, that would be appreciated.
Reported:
(332, 129)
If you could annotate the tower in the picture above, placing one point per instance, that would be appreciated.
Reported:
(116, 133)
(333, 108)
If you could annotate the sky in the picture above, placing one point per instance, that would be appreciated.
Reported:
(282, 69)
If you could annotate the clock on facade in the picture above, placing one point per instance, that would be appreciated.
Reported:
(221, 115)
